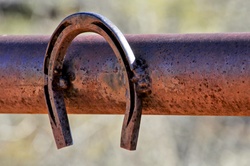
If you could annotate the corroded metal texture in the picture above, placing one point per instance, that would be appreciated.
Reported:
(192, 74)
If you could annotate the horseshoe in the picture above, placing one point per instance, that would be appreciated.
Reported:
(54, 84)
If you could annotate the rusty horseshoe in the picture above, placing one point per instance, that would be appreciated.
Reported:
(137, 79)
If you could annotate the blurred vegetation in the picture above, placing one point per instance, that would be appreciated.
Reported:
(164, 140)
(132, 16)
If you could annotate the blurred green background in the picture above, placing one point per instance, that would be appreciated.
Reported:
(164, 140)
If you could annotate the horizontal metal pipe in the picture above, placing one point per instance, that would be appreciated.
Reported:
(192, 74)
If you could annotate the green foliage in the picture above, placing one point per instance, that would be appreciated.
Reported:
(131, 16)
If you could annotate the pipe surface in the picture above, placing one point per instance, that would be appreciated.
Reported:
(192, 74)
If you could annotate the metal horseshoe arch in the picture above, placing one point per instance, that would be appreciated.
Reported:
(68, 29)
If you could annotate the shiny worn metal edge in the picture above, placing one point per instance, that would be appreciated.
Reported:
(192, 74)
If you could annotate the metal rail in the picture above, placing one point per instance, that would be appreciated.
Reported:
(192, 74)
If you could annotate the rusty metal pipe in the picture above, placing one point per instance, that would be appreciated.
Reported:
(192, 74)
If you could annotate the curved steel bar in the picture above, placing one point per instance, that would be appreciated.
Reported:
(56, 81)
